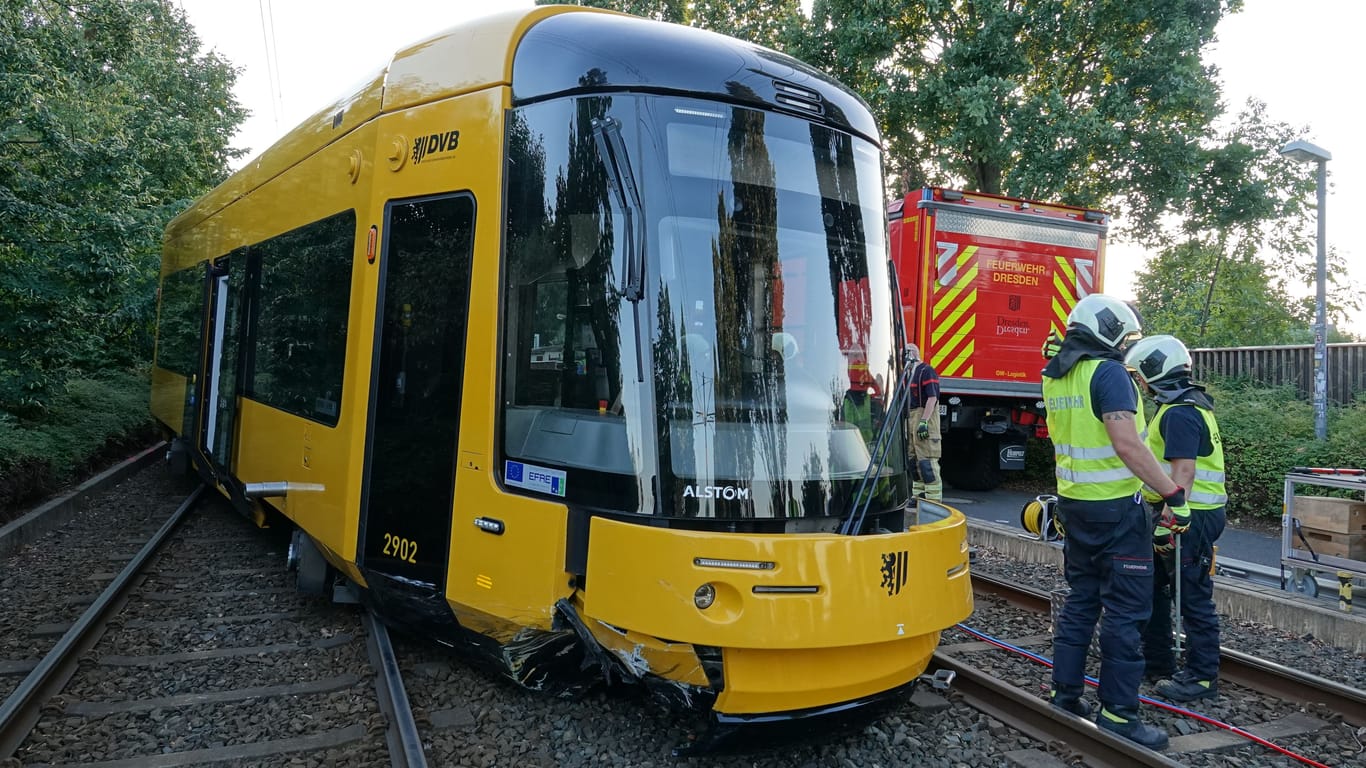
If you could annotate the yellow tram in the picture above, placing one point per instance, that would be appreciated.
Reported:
(570, 339)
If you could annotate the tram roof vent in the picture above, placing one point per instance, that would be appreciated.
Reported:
(797, 97)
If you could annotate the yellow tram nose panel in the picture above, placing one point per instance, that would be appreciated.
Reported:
(760, 680)
(785, 591)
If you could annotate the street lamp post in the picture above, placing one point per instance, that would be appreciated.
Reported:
(1304, 152)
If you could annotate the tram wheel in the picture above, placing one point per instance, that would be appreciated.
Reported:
(312, 571)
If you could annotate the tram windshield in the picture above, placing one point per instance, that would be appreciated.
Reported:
(699, 315)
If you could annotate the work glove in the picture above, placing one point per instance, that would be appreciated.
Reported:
(1051, 345)
(1163, 540)
(922, 430)
(1178, 511)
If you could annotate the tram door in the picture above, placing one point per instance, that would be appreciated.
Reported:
(221, 370)
(416, 381)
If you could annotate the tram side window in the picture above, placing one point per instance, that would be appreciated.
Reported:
(180, 324)
(304, 299)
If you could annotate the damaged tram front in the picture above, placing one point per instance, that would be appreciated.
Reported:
(700, 369)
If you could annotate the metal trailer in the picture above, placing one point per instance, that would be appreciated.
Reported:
(1297, 554)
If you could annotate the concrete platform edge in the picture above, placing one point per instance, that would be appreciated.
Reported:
(57, 512)
(1235, 598)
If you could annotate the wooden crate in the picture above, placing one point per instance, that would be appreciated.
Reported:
(1323, 513)
(1349, 545)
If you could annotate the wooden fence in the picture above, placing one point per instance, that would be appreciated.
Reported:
(1288, 365)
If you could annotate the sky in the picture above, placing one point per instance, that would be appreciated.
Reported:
(297, 56)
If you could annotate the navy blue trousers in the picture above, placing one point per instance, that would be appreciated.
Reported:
(1198, 618)
(1159, 657)
(1108, 554)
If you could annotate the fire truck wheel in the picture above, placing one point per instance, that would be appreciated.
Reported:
(971, 462)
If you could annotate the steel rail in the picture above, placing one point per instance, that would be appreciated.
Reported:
(1293, 685)
(21, 710)
(405, 744)
(1063, 733)
(1235, 666)
(1019, 595)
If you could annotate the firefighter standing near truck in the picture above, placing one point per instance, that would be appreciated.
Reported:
(1184, 436)
(1096, 424)
(928, 445)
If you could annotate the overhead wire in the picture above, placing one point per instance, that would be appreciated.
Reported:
(267, 14)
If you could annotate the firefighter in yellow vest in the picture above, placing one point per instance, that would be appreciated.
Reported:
(1185, 437)
(1096, 425)
(862, 404)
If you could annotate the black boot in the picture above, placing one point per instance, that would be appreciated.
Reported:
(1068, 699)
(1187, 688)
(1126, 723)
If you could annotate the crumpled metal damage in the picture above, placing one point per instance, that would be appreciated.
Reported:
(571, 657)
(412, 606)
(545, 661)
(670, 671)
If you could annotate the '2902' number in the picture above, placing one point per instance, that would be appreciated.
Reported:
(403, 549)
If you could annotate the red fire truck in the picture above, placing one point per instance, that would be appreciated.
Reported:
(983, 279)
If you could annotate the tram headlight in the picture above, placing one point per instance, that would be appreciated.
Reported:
(704, 596)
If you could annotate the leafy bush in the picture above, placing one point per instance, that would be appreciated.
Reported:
(1268, 431)
(91, 421)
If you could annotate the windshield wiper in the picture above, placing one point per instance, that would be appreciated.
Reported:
(612, 150)
(863, 496)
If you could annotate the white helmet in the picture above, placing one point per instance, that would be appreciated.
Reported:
(1108, 318)
(1157, 357)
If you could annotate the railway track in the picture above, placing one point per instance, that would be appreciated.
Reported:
(1309, 703)
(216, 616)
(1068, 737)
(199, 650)
(1235, 667)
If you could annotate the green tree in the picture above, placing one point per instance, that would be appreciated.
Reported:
(1098, 104)
(111, 120)
(659, 10)
(1225, 277)
(1248, 307)
(1104, 104)
(767, 22)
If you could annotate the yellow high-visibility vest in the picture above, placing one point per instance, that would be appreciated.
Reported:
(1088, 468)
(1208, 490)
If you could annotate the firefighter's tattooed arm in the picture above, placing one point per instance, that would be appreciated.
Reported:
(1129, 446)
